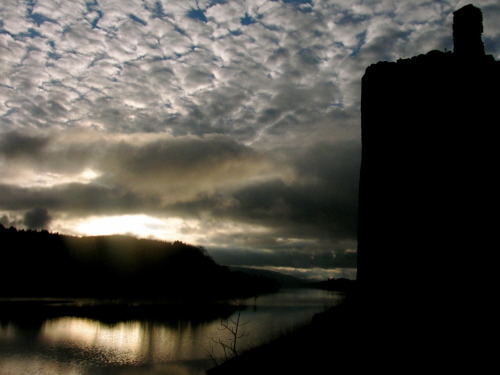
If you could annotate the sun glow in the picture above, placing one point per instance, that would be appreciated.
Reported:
(49, 179)
(143, 226)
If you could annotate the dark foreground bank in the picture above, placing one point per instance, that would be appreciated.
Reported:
(354, 337)
(326, 343)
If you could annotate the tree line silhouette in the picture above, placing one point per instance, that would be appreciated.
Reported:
(43, 264)
(338, 285)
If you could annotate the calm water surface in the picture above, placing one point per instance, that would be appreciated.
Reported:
(80, 346)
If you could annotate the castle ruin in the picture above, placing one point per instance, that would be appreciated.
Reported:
(428, 191)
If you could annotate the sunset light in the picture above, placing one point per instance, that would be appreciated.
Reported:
(142, 226)
(183, 180)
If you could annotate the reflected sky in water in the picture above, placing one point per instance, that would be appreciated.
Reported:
(80, 346)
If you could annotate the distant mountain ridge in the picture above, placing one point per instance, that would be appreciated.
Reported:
(286, 281)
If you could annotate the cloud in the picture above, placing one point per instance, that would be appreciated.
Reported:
(70, 198)
(94, 65)
(181, 168)
(37, 218)
(316, 202)
(174, 168)
(14, 145)
(291, 257)
(7, 221)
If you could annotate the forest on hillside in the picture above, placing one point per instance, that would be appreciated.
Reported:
(43, 264)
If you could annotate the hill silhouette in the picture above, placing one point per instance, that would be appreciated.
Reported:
(43, 264)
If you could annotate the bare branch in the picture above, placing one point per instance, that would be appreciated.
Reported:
(212, 357)
(233, 327)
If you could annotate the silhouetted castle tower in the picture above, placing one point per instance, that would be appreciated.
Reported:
(427, 192)
(467, 30)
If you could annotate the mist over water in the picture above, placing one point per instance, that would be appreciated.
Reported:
(83, 346)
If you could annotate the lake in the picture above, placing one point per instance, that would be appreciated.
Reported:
(81, 346)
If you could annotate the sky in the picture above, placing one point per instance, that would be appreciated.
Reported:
(229, 124)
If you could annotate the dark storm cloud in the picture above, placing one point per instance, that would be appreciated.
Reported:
(14, 145)
(181, 168)
(74, 199)
(180, 156)
(286, 257)
(321, 201)
(58, 152)
(37, 218)
(309, 219)
(7, 222)
(166, 168)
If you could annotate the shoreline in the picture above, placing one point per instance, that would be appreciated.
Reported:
(112, 311)
(311, 348)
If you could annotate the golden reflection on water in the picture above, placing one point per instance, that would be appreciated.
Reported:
(8, 331)
(83, 346)
(121, 343)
